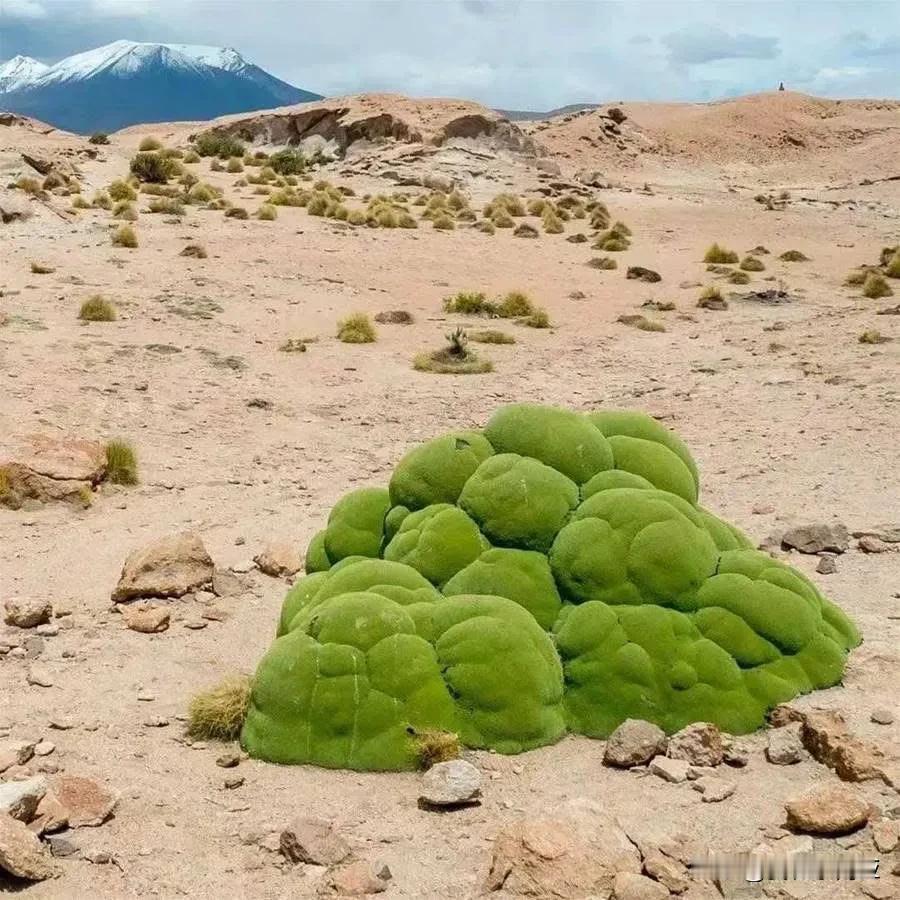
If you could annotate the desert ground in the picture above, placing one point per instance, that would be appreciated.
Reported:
(792, 419)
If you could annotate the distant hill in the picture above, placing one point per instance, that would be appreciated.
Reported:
(524, 115)
(126, 83)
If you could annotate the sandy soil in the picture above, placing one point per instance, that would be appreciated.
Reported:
(782, 406)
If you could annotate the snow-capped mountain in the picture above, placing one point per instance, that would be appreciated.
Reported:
(18, 71)
(127, 82)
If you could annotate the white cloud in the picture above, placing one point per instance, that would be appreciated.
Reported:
(702, 45)
(22, 9)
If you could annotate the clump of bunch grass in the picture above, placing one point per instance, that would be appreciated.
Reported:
(234, 165)
(469, 303)
(539, 318)
(394, 317)
(875, 286)
(153, 167)
(97, 309)
(236, 212)
(150, 143)
(288, 162)
(715, 253)
(505, 203)
(454, 359)
(514, 305)
(641, 322)
(125, 236)
(502, 219)
(216, 144)
(892, 266)
(486, 227)
(191, 156)
(434, 747)
(99, 138)
(121, 462)
(525, 230)
(613, 240)
(356, 329)
(219, 713)
(491, 336)
(293, 345)
(552, 223)
(752, 264)
(101, 200)
(194, 251)
(603, 263)
(443, 221)
(30, 186)
(267, 212)
(738, 278)
(857, 277)
(168, 205)
(711, 298)
(793, 256)
(41, 269)
(872, 336)
(80, 203)
(121, 190)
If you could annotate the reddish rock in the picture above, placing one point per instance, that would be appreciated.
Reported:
(700, 744)
(355, 879)
(313, 841)
(85, 802)
(280, 558)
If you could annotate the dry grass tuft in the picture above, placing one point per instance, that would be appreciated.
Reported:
(219, 713)
(718, 254)
(356, 329)
(394, 317)
(752, 264)
(514, 305)
(267, 212)
(150, 143)
(195, 251)
(125, 236)
(525, 230)
(603, 262)
(121, 463)
(491, 336)
(875, 286)
(872, 336)
(41, 269)
(711, 298)
(236, 212)
(97, 309)
(434, 747)
(793, 256)
(642, 323)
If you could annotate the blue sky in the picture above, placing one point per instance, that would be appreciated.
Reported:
(533, 54)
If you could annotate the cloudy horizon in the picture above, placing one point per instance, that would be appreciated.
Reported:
(505, 53)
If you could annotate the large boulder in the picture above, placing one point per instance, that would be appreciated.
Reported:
(21, 853)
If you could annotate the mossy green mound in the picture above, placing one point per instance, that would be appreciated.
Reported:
(551, 573)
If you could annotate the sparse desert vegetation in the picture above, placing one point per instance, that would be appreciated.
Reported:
(719, 255)
(125, 236)
(97, 309)
(356, 329)
(121, 463)
(454, 359)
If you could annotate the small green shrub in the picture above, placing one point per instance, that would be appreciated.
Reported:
(153, 168)
(872, 336)
(793, 256)
(454, 359)
(514, 305)
(125, 236)
(711, 298)
(718, 254)
(99, 137)
(219, 713)
(538, 319)
(267, 213)
(752, 264)
(121, 190)
(121, 463)
(356, 329)
(97, 309)
(876, 286)
(191, 157)
(469, 303)
(150, 143)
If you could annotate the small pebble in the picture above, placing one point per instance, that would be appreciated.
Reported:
(882, 716)
(44, 748)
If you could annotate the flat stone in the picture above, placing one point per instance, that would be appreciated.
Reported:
(449, 784)
(313, 841)
(44, 748)
(50, 815)
(146, 618)
(280, 558)
(828, 810)
(15, 753)
(699, 744)
(86, 802)
(882, 716)
(886, 835)
(669, 872)
(815, 538)
(61, 846)
(714, 789)
(631, 886)
(674, 770)
(634, 743)
(827, 565)
(871, 544)
(229, 759)
(21, 853)
(355, 879)
(39, 677)
(27, 612)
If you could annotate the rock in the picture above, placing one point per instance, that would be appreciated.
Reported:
(699, 744)
(280, 558)
(229, 759)
(435, 182)
(560, 859)
(890, 534)
(629, 886)
(882, 716)
(39, 677)
(883, 889)
(233, 781)
(449, 784)
(871, 544)
(785, 746)
(147, 618)
(815, 538)
(227, 584)
(827, 565)
(674, 770)
(313, 841)
(170, 566)
(639, 273)
(27, 612)
(50, 815)
(591, 178)
(356, 879)
(634, 743)
(551, 166)
(20, 799)
(21, 853)
(829, 810)
(47, 469)
(825, 736)
(15, 753)
(669, 872)
(86, 803)
(886, 835)
(48, 630)
(714, 789)
(60, 846)
(736, 754)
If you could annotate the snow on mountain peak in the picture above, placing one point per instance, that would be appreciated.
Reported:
(19, 70)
